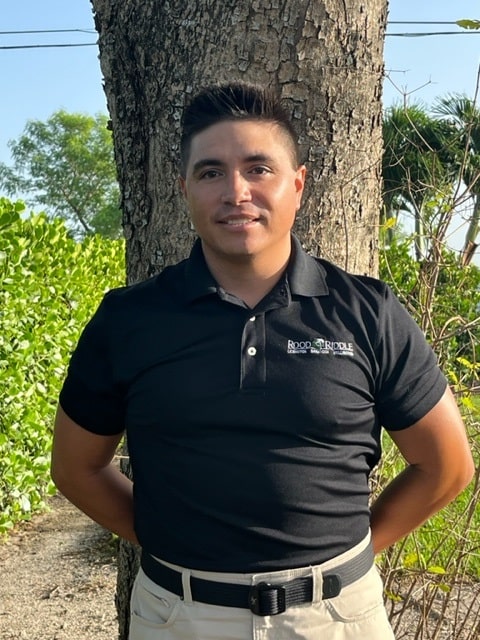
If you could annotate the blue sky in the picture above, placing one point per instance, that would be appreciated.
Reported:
(36, 82)
(430, 66)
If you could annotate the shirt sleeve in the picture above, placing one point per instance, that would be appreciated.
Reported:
(410, 382)
(89, 395)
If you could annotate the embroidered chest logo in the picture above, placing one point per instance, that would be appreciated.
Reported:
(321, 346)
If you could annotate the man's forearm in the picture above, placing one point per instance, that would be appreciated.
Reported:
(106, 496)
(406, 503)
(440, 467)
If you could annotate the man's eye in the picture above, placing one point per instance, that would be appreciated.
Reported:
(209, 174)
(260, 170)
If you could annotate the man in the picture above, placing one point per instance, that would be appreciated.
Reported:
(252, 381)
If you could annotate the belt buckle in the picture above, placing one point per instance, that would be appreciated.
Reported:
(332, 585)
(265, 599)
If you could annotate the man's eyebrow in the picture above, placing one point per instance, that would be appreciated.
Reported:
(259, 157)
(206, 162)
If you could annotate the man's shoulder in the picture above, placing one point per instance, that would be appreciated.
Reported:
(153, 291)
(161, 285)
(338, 278)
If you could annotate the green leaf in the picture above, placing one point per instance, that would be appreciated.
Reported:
(413, 560)
(468, 24)
(437, 570)
(444, 587)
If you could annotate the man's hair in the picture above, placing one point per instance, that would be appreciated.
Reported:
(234, 101)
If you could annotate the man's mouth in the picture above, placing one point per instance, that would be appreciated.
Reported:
(238, 222)
(239, 219)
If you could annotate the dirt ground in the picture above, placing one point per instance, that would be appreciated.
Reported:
(58, 576)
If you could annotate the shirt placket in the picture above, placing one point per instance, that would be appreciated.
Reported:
(253, 364)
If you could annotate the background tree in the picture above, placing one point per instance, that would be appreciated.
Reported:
(65, 165)
(419, 166)
(326, 60)
(431, 168)
(463, 115)
(431, 172)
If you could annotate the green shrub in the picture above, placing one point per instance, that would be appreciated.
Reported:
(444, 298)
(49, 287)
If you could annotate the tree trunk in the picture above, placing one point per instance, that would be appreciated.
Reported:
(326, 58)
(471, 244)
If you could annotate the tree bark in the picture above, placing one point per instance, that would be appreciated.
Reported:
(326, 59)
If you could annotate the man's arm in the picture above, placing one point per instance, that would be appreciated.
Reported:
(440, 466)
(82, 470)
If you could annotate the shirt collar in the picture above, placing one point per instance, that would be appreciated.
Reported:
(199, 281)
(305, 274)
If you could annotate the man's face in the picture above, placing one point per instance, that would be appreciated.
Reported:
(243, 191)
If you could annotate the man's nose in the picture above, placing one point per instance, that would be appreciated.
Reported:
(237, 189)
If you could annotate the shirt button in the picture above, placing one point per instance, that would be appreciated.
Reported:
(252, 319)
(251, 351)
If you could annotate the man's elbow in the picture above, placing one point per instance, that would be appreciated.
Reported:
(57, 475)
(469, 471)
(62, 475)
(461, 476)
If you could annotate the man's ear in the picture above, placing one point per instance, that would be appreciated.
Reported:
(300, 183)
(183, 186)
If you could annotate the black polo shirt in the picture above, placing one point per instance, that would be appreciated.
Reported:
(252, 432)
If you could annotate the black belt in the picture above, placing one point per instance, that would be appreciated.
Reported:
(263, 599)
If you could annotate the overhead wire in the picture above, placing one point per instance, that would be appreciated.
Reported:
(418, 34)
(48, 46)
(9, 33)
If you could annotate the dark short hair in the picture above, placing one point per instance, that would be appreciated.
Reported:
(234, 101)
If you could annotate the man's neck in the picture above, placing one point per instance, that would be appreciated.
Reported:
(248, 280)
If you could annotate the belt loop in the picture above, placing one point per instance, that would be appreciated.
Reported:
(317, 584)
(187, 591)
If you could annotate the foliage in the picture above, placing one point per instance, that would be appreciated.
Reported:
(418, 158)
(66, 166)
(436, 562)
(431, 169)
(438, 566)
(444, 298)
(469, 24)
(49, 286)
(462, 115)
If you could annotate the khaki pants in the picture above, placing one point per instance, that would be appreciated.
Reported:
(357, 613)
